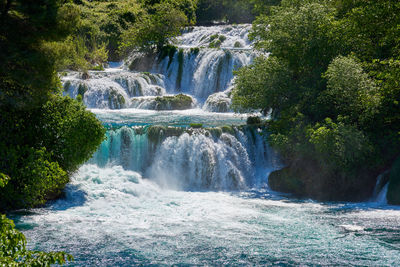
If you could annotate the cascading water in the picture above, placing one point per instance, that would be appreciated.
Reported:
(189, 186)
(192, 68)
(218, 158)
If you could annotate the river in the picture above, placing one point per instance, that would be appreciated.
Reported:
(164, 191)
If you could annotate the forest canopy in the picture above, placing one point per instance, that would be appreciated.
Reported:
(331, 82)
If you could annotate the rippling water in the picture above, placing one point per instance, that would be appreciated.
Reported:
(120, 208)
(115, 217)
(112, 216)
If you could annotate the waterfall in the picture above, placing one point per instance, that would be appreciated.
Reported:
(381, 188)
(202, 73)
(112, 89)
(382, 196)
(218, 158)
(195, 71)
(200, 64)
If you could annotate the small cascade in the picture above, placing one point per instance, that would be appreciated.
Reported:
(381, 188)
(201, 73)
(219, 158)
(230, 36)
(112, 89)
(219, 102)
(382, 196)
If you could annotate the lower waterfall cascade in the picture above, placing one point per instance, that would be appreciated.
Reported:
(182, 180)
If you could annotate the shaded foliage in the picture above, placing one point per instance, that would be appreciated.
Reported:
(153, 31)
(330, 82)
(41, 146)
(232, 11)
(13, 250)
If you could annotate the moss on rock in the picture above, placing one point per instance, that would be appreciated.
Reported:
(194, 50)
(215, 131)
(228, 129)
(116, 100)
(67, 86)
(177, 102)
(158, 133)
(143, 62)
(237, 44)
(82, 89)
(181, 58)
(196, 125)
(168, 51)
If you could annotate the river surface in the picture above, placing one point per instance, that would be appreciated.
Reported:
(163, 191)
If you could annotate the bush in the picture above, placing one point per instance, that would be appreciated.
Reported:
(34, 178)
(178, 102)
(152, 32)
(341, 146)
(350, 92)
(13, 250)
(253, 120)
(41, 147)
(69, 132)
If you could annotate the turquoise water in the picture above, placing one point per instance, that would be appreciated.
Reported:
(115, 216)
(170, 195)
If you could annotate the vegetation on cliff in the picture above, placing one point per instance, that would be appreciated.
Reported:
(331, 82)
(232, 11)
(44, 137)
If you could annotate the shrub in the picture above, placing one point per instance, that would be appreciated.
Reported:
(34, 178)
(215, 44)
(70, 132)
(194, 50)
(13, 250)
(42, 146)
(237, 44)
(253, 120)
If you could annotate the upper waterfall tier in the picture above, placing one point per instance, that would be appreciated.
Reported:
(230, 36)
(201, 67)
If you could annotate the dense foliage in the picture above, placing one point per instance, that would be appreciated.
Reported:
(153, 30)
(42, 146)
(44, 136)
(13, 250)
(232, 11)
(108, 30)
(332, 84)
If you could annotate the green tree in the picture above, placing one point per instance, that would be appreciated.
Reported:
(153, 31)
(273, 90)
(331, 81)
(27, 75)
(41, 147)
(350, 92)
(44, 136)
